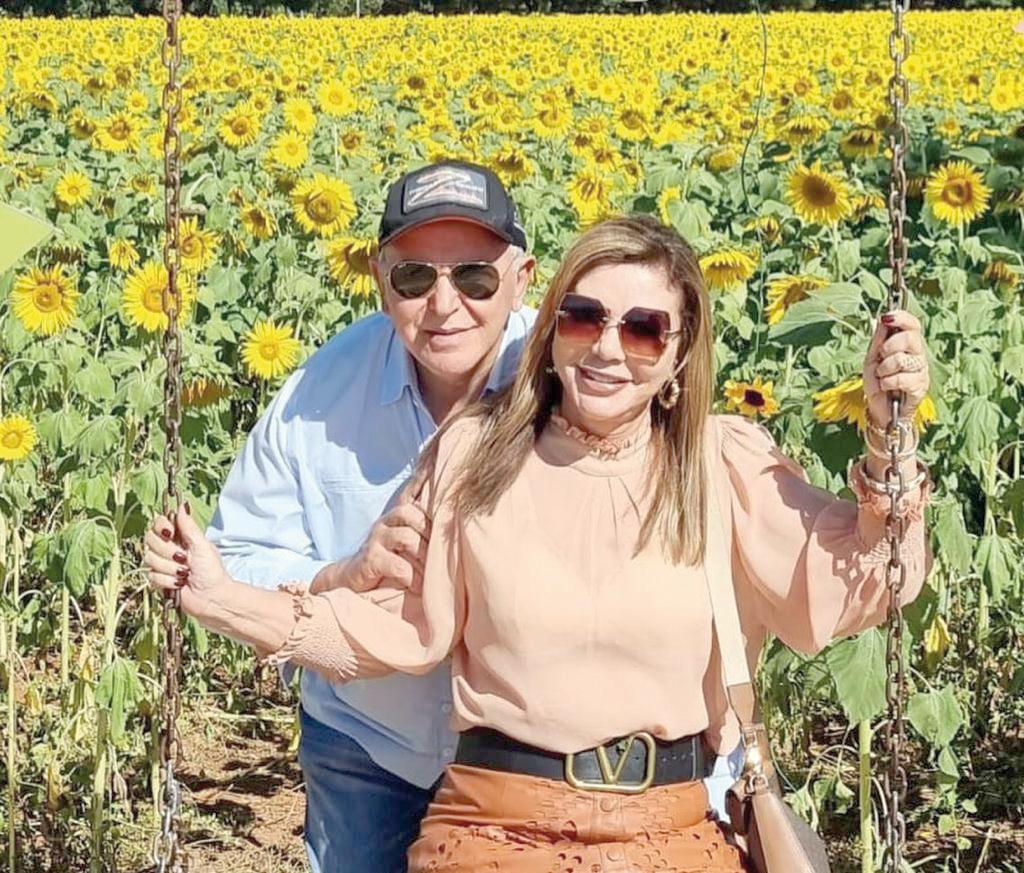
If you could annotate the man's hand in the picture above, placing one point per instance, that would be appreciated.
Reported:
(393, 552)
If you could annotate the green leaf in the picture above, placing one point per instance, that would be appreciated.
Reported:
(1013, 362)
(88, 546)
(848, 255)
(857, 666)
(118, 690)
(973, 154)
(980, 371)
(995, 560)
(979, 420)
(94, 382)
(950, 538)
(980, 314)
(147, 484)
(809, 321)
(935, 715)
(99, 436)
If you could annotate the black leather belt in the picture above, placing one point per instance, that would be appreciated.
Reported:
(631, 764)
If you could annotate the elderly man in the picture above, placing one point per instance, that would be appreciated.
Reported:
(313, 495)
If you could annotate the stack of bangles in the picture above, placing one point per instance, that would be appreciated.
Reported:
(907, 440)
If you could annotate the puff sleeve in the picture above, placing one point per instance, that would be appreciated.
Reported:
(348, 635)
(812, 564)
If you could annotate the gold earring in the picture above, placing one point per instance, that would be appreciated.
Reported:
(667, 401)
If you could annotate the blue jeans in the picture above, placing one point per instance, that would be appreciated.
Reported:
(359, 817)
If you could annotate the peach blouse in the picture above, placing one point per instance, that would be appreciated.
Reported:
(560, 637)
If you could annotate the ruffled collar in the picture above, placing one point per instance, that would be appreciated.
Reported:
(602, 447)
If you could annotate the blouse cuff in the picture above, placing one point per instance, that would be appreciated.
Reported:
(314, 641)
(909, 507)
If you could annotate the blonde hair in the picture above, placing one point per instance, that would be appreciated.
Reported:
(513, 418)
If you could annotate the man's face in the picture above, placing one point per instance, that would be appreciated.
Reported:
(446, 332)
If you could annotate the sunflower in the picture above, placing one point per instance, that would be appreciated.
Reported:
(203, 392)
(956, 193)
(348, 262)
(118, 133)
(512, 165)
(299, 114)
(198, 247)
(728, 267)
(44, 300)
(817, 196)
(767, 227)
(751, 398)
(258, 221)
(1002, 275)
(73, 189)
(861, 142)
(269, 350)
(846, 402)
(143, 297)
(122, 254)
(668, 196)
(948, 128)
(290, 150)
(803, 130)
(239, 126)
(350, 141)
(323, 205)
(787, 290)
(336, 98)
(80, 125)
(631, 124)
(722, 159)
(17, 437)
(590, 193)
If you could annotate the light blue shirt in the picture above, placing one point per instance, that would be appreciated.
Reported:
(326, 459)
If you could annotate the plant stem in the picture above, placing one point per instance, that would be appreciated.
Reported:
(12, 713)
(867, 848)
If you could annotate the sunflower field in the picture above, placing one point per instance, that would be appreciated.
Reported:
(771, 160)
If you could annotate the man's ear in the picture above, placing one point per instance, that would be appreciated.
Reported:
(378, 272)
(524, 275)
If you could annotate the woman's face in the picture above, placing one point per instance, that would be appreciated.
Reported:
(604, 388)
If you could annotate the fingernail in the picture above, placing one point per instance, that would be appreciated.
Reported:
(188, 508)
(167, 533)
(181, 557)
(888, 319)
(183, 573)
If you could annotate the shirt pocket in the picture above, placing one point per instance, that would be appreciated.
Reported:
(351, 505)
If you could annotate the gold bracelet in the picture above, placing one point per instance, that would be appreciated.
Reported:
(879, 486)
(904, 425)
(881, 452)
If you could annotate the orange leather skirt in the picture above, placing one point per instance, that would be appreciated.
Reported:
(484, 821)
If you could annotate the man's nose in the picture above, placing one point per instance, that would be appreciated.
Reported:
(444, 297)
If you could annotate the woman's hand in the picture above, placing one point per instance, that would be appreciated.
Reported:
(188, 562)
(895, 361)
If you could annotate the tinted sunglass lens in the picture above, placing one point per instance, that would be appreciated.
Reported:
(413, 280)
(476, 281)
(643, 334)
(580, 320)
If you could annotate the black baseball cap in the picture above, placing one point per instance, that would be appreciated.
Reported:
(451, 189)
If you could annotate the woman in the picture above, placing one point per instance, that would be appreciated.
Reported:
(563, 574)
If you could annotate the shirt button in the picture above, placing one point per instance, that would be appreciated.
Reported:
(615, 854)
(446, 708)
(607, 804)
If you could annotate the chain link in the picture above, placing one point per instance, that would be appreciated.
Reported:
(895, 568)
(167, 854)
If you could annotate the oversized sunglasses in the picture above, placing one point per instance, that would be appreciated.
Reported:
(478, 280)
(644, 333)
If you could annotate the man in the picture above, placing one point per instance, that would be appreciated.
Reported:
(313, 496)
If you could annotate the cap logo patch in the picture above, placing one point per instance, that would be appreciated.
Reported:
(446, 185)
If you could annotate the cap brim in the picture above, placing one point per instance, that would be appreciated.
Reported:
(447, 216)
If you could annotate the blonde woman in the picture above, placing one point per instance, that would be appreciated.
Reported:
(563, 574)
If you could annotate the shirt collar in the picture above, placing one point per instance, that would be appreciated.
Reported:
(400, 371)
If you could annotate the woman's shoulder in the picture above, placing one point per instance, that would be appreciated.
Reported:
(747, 445)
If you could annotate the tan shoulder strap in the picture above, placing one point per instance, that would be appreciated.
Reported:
(718, 574)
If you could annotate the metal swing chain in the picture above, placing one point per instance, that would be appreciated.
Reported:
(167, 855)
(895, 568)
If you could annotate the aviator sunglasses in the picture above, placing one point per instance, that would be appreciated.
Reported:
(477, 280)
(644, 333)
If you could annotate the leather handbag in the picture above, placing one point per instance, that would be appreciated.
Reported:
(771, 835)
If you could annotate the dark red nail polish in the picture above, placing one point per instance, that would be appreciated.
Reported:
(888, 319)
(183, 573)
(166, 533)
(181, 557)
(188, 508)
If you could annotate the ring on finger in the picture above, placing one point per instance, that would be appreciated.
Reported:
(910, 363)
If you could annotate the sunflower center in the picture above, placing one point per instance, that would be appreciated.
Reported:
(323, 206)
(120, 130)
(12, 439)
(47, 297)
(240, 126)
(191, 247)
(957, 192)
(819, 192)
(269, 350)
(153, 298)
(632, 120)
(753, 398)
